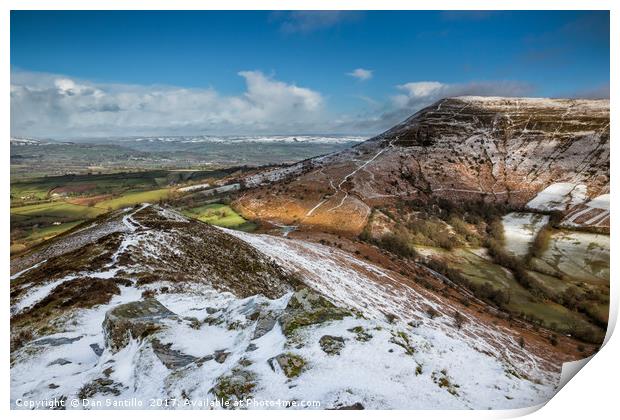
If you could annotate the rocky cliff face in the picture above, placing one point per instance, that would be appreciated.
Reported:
(153, 305)
(543, 154)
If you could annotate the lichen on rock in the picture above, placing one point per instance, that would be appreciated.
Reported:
(236, 386)
(331, 344)
(291, 364)
(307, 307)
(135, 320)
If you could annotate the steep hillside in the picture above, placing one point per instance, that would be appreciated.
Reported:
(144, 303)
(542, 154)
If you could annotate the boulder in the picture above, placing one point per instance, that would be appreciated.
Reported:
(135, 320)
(331, 344)
(174, 359)
(236, 386)
(56, 341)
(360, 333)
(291, 364)
(307, 307)
(97, 349)
(60, 362)
(221, 356)
(103, 386)
(264, 324)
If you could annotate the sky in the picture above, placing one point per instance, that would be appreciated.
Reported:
(88, 74)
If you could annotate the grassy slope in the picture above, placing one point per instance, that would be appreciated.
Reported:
(58, 210)
(132, 198)
(219, 215)
(39, 188)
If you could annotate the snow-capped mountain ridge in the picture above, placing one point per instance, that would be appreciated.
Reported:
(503, 150)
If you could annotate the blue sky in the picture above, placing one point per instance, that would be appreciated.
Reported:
(78, 74)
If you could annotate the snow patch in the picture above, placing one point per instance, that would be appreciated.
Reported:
(559, 197)
(520, 229)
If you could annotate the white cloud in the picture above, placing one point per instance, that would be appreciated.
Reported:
(361, 74)
(421, 89)
(301, 21)
(417, 95)
(44, 105)
(47, 105)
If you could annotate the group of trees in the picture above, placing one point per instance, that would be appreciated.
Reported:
(443, 223)
(485, 291)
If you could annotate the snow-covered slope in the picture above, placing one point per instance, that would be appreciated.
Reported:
(157, 306)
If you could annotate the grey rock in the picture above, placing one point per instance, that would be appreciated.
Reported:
(238, 385)
(307, 307)
(60, 341)
(331, 344)
(172, 359)
(103, 386)
(220, 356)
(264, 324)
(134, 320)
(60, 362)
(291, 364)
(360, 333)
(97, 349)
(193, 322)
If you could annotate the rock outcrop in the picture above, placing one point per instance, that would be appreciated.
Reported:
(135, 320)
(307, 308)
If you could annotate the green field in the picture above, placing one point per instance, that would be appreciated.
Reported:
(77, 185)
(132, 198)
(34, 235)
(220, 215)
(28, 191)
(47, 213)
(42, 207)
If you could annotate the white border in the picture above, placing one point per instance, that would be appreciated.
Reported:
(594, 391)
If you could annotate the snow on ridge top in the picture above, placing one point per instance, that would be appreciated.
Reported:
(170, 214)
(538, 101)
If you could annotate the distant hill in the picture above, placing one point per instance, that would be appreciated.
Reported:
(548, 154)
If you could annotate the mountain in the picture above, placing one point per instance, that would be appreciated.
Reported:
(454, 261)
(548, 155)
(143, 303)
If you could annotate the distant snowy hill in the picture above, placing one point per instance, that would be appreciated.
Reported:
(252, 139)
(19, 141)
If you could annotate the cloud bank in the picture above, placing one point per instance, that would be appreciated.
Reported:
(44, 105)
(52, 106)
